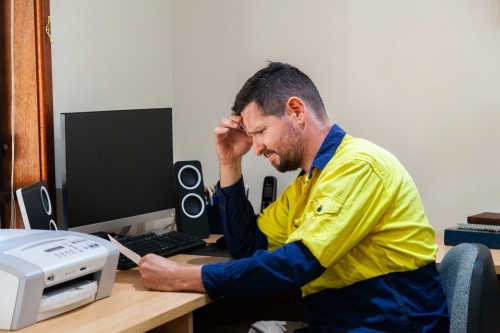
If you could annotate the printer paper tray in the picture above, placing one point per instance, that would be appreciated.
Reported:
(67, 297)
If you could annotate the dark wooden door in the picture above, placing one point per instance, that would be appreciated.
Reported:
(26, 104)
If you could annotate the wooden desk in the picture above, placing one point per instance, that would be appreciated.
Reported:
(133, 308)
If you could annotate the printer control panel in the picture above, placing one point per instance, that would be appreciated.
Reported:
(71, 247)
(63, 258)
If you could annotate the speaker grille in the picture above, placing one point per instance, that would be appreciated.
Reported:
(189, 177)
(45, 200)
(192, 205)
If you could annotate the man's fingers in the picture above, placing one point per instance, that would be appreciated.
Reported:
(220, 133)
(231, 122)
(221, 130)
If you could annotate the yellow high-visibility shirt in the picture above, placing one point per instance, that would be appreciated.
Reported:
(360, 215)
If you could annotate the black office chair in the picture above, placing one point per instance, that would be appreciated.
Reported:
(470, 283)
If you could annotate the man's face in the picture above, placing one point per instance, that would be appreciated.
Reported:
(278, 139)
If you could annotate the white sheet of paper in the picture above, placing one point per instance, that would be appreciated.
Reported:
(125, 251)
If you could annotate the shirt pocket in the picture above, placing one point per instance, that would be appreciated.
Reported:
(321, 218)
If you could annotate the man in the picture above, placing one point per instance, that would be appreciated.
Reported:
(350, 231)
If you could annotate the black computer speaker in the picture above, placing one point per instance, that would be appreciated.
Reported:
(190, 211)
(36, 208)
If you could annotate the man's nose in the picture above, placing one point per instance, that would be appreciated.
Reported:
(258, 147)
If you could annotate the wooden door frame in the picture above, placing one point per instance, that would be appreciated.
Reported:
(33, 119)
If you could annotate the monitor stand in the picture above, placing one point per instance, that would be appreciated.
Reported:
(124, 231)
(101, 234)
(104, 235)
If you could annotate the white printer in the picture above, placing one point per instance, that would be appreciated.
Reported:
(46, 273)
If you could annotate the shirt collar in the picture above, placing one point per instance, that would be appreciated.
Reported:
(327, 148)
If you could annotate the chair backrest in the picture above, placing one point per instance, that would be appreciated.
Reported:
(470, 283)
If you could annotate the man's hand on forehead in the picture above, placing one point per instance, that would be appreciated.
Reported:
(238, 120)
(242, 127)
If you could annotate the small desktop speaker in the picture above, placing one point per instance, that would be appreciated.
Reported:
(36, 208)
(190, 211)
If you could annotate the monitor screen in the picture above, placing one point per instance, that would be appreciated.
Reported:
(117, 168)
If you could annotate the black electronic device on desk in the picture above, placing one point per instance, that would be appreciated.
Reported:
(268, 191)
(160, 242)
(36, 207)
(117, 168)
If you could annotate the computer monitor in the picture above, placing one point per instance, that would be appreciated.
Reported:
(117, 168)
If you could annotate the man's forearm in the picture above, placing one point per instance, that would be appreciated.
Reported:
(188, 278)
(159, 273)
(230, 173)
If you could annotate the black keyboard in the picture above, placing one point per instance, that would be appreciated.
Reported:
(163, 243)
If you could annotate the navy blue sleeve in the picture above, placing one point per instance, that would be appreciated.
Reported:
(243, 236)
(266, 272)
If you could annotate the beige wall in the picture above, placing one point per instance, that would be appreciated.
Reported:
(420, 78)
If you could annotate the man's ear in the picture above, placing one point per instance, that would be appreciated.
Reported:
(296, 108)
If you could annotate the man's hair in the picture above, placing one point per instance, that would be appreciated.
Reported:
(271, 87)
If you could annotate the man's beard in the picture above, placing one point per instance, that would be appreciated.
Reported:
(291, 151)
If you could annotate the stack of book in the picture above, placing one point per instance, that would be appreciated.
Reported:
(481, 228)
